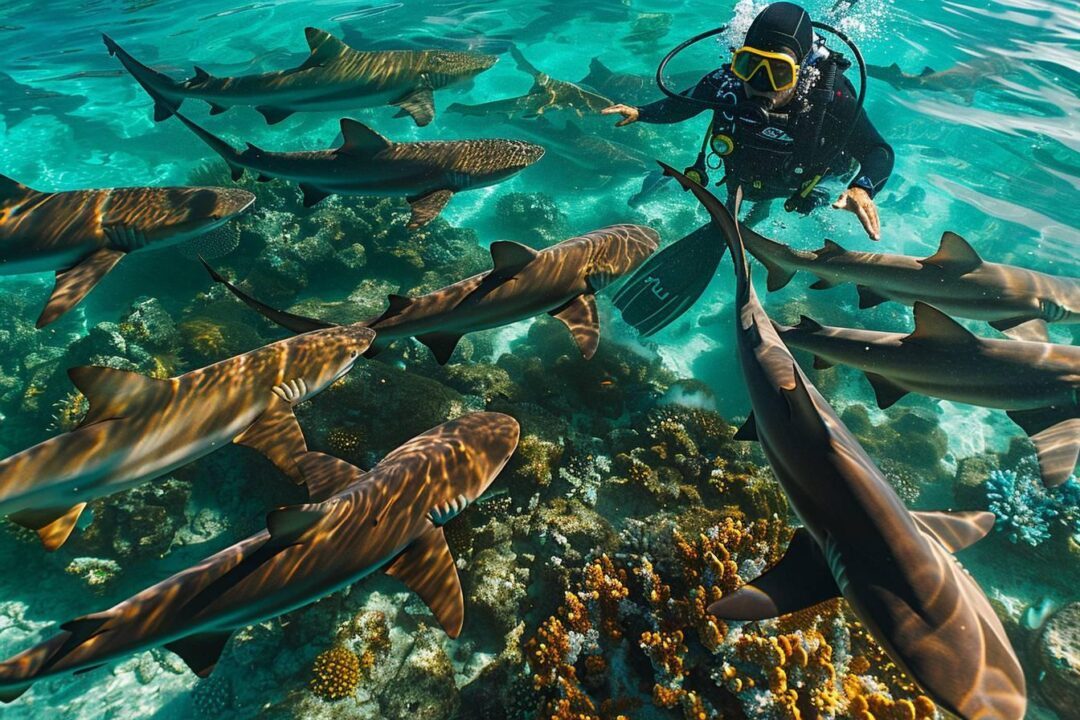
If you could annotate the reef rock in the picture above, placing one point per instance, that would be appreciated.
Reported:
(1059, 660)
(424, 688)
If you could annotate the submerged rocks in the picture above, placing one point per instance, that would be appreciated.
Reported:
(531, 218)
(1058, 650)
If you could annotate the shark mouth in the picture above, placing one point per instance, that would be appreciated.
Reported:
(447, 511)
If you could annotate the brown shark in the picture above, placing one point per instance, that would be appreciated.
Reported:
(389, 518)
(426, 173)
(1036, 383)
(81, 234)
(964, 79)
(955, 280)
(547, 94)
(561, 280)
(894, 567)
(334, 77)
(139, 428)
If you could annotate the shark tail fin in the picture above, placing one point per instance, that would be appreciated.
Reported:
(289, 321)
(522, 63)
(227, 152)
(157, 85)
(12, 189)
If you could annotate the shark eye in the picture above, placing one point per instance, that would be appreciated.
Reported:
(353, 354)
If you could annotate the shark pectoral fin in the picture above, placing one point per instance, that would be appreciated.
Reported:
(325, 475)
(823, 284)
(360, 140)
(885, 390)
(441, 345)
(287, 524)
(1031, 331)
(868, 298)
(419, 104)
(52, 525)
(426, 208)
(216, 109)
(933, 325)
(85, 627)
(273, 115)
(821, 363)
(508, 258)
(778, 277)
(583, 321)
(1055, 432)
(748, 430)
(800, 580)
(13, 692)
(954, 255)
(956, 530)
(73, 284)
(427, 567)
(277, 435)
(312, 194)
(200, 652)
(113, 393)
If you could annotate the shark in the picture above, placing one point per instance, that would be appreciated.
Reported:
(546, 95)
(387, 519)
(426, 173)
(894, 567)
(963, 79)
(333, 77)
(1036, 383)
(138, 427)
(561, 280)
(20, 102)
(82, 234)
(630, 88)
(595, 154)
(955, 280)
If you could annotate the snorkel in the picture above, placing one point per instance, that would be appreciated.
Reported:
(759, 110)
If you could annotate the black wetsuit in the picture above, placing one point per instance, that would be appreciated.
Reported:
(770, 161)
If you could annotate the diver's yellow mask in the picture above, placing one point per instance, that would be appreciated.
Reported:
(780, 69)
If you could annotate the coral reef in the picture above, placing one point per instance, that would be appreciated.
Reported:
(1027, 512)
(1058, 650)
(335, 674)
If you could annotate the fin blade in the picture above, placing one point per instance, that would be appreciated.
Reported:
(13, 692)
(441, 345)
(360, 140)
(582, 319)
(1055, 432)
(201, 651)
(748, 430)
(277, 435)
(418, 104)
(886, 391)
(287, 524)
(956, 530)
(821, 363)
(933, 325)
(427, 207)
(869, 298)
(800, 580)
(324, 47)
(1030, 331)
(509, 257)
(312, 195)
(325, 475)
(823, 284)
(428, 568)
(216, 109)
(111, 393)
(53, 525)
(828, 250)
(273, 115)
(73, 284)
(289, 321)
(954, 254)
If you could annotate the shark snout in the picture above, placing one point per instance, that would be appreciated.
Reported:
(530, 154)
(231, 202)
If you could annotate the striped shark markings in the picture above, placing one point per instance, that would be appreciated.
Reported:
(82, 234)
(894, 567)
(560, 280)
(333, 77)
(307, 551)
(139, 428)
(955, 280)
(1036, 383)
(427, 174)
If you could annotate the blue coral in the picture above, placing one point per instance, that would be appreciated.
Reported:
(1026, 510)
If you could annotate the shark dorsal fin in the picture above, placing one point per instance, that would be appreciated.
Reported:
(85, 627)
(510, 257)
(427, 567)
(927, 70)
(800, 580)
(954, 254)
(200, 77)
(12, 189)
(53, 525)
(112, 393)
(287, 524)
(360, 140)
(808, 324)
(324, 46)
(598, 68)
(397, 303)
(932, 324)
(829, 249)
(325, 475)
(253, 148)
(201, 651)
(955, 530)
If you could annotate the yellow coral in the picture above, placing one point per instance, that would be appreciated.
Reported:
(336, 673)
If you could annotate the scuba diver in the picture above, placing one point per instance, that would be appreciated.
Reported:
(784, 117)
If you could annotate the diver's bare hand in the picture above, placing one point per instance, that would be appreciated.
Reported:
(858, 201)
(629, 114)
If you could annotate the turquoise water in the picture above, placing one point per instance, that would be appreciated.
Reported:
(996, 160)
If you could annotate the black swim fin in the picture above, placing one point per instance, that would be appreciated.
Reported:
(671, 281)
